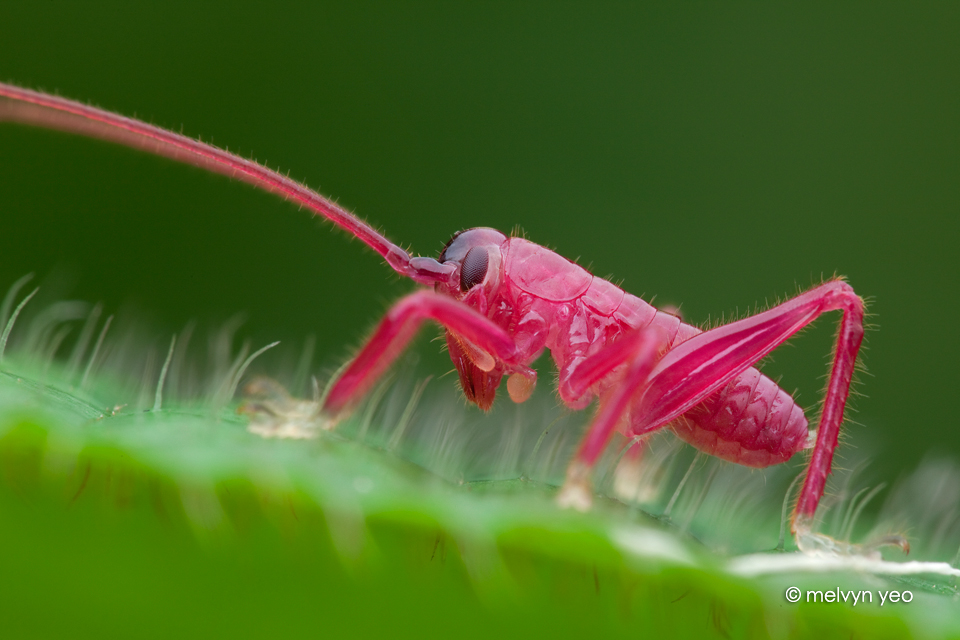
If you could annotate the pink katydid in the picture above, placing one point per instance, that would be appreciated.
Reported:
(504, 300)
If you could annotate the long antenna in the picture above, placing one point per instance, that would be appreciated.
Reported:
(53, 112)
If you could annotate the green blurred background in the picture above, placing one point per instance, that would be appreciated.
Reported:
(714, 156)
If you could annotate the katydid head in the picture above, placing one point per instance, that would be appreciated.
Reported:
(477, 260)
(475, 255)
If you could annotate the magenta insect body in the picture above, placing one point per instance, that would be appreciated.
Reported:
(503, 301)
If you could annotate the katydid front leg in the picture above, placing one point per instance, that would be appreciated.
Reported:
(489, 344)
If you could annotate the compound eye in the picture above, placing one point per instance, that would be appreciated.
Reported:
(473, 269)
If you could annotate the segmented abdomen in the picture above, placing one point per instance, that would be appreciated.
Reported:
(751, 421)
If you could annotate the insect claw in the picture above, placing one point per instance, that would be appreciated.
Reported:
(893, 540)
(575, 492)
(818, 544)
(627, 480)
(274, 413)
(575, 496)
